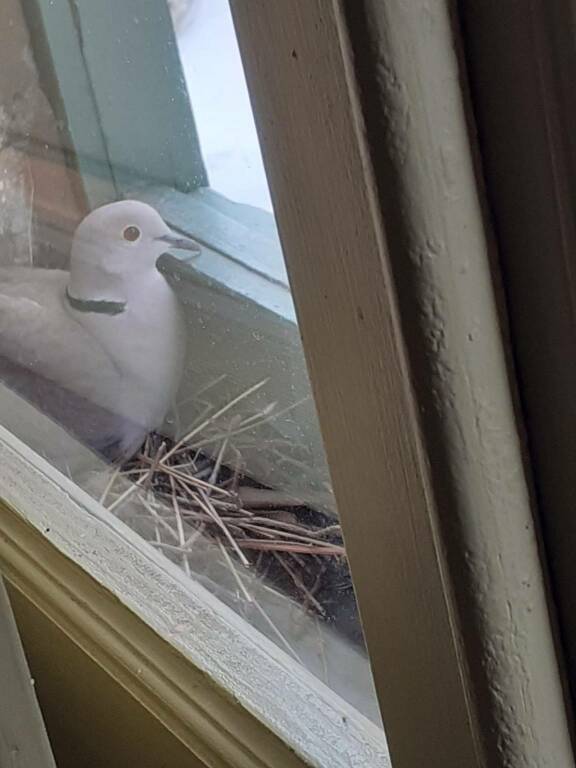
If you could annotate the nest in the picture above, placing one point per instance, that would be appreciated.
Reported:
(196, 486)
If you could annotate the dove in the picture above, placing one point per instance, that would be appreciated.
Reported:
(99, 348)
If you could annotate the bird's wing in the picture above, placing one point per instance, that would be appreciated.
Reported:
(54, 363)
(38, 334)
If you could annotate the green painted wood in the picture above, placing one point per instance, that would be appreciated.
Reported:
(131, 56)
(65, 80)
(113, 74)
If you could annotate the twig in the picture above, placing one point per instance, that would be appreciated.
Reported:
(300, 585)
(179, 524)
(109, 485)
(217, 415)
(283, 546)
(248, 597)
(204, 502)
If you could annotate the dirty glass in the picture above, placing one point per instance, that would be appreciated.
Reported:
(146, 315)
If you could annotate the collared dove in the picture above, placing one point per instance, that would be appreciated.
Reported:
(99, 349)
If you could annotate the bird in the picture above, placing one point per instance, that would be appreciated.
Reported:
(100, 347)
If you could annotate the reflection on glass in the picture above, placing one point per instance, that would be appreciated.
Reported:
(145, 310)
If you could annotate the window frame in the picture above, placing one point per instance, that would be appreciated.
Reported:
(367, 143)
(419, 371)
(192, 662)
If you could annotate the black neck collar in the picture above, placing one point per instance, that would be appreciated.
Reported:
(97, 307)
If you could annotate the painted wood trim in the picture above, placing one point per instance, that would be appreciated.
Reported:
(231, 696)
(529, 164)
(240, 247)
(117, 129)
(64, 79)
(365, 137)
(23, 739)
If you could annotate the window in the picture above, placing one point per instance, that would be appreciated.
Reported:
(154, 564)
(233, 485)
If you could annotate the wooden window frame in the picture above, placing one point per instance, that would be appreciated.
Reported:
(186, 657)
(367, 141)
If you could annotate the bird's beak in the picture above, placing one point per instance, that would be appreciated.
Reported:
(181, 243)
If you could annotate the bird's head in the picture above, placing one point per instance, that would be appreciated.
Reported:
(124, 238)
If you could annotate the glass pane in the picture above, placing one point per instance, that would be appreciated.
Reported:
(228, 140)
(160, 336)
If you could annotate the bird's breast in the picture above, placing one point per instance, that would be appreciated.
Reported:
(146, 342)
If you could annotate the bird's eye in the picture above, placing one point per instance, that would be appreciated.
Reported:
(131, 234)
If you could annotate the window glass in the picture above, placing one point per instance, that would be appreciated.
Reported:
(145, 309)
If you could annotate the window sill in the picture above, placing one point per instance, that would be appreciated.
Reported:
(191, 661)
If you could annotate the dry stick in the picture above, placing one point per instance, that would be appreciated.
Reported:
(135, 471)
(169, 547)
(218, 463)
(313, 533)
(265, 413)
(220, 456)
(188, 498)
(170, 470)
(128, 492)
(203, 389)
(255, 421)
(191, 491)
(239, 524)
(235, 479)
(286, 534)
(157, 531)
(141, 481)
(300, 585)
(300, 560)
(318, 580)
(109, 485)
(284, 546)
(185, 465)
(179, 525)
(196, 533)
(160, 520)
(265, 497)
(207, 422)
(202, 415)
(249, 598)
(322, 647)
(206, 505)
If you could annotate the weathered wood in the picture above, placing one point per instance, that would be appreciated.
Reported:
(196, 665)
(366, 141)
